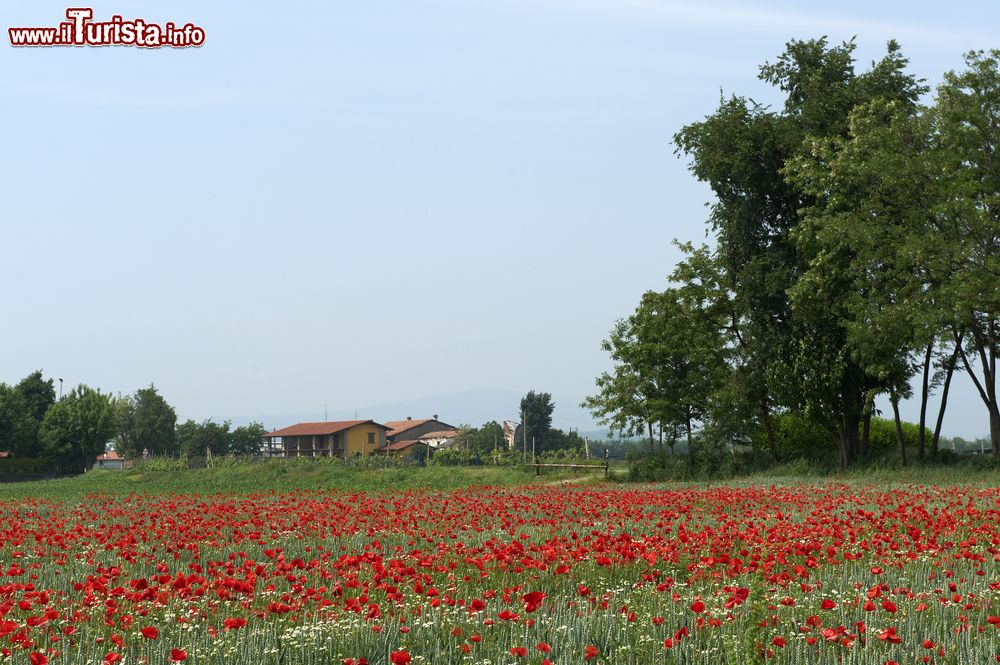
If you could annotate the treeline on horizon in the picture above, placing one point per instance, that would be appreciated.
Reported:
(856, 263)
(67, 434)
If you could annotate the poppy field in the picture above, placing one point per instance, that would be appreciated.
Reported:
(805, 573)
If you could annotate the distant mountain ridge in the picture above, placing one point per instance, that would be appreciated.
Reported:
(473, 407)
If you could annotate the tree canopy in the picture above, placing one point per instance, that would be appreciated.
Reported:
(857, 250)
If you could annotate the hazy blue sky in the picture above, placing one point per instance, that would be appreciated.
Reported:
(357, 203)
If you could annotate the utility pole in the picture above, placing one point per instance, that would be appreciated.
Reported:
(524, 435)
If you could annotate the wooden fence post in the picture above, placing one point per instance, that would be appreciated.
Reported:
(538, 468)
(605, 463)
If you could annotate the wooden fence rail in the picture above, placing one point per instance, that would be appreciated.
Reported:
(538, 466)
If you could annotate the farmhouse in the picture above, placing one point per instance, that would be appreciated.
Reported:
(338, 438)
(412, 430)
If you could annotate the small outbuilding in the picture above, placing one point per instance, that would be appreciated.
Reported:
(110, 460)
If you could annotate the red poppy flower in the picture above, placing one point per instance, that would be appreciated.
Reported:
(234, 623)
(401, 657)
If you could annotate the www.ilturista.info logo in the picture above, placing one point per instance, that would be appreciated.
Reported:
(81, 30)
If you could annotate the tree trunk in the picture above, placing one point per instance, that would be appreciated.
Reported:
(842, 447)
(663, 453)
(924, 394)
(847, 433)
(652, 448)
(866, 423)
(690, 440)
(986, 388)
(949, 371)
(995, 428)
(894, 398)
(765, 415)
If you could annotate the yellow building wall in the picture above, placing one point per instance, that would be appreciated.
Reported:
(357, 439)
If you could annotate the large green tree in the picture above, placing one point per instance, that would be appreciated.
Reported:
(791, 296)
(246, 439)
(18, 428)
(872, 225)
(669, 362)
(22, 408)
(146, 422)
(536, 411)
(199, 439)
(486, 439)
(39, 393)
(967, 123)
(77, 428)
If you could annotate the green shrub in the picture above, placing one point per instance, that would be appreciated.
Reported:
(883, 434)
(17, 466)
(450, 457)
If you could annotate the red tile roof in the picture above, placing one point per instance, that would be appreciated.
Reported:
(400, 426)
(402, 445)
(441, 434)
(110, 455)
(4, 453)
(321, 429)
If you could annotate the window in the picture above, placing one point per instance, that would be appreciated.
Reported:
(371, 437)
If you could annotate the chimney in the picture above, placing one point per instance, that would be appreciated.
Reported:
(409, 417)
(435, 416)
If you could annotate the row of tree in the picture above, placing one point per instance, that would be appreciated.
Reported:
(536, 410)
(857, 254)
(72, 431)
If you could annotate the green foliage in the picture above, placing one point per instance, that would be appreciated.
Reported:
(246, 439)
(39, 394)
(669, 361)
(145, 422)
(18, 428)
(797, 437)
(150, 477)
(857, 239)
(485, 439)
(563, 442)
(451, 457)
(200, 439)
(883, 435)
(22, 409)
(77, 429)
(536, 409)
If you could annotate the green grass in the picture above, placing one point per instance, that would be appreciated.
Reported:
(282, 475)
(275, 476)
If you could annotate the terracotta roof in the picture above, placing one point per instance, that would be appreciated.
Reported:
(4, 453)
(110, 455)
(441, 434)
(321, 429)
(402, 445)
(399, 426)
